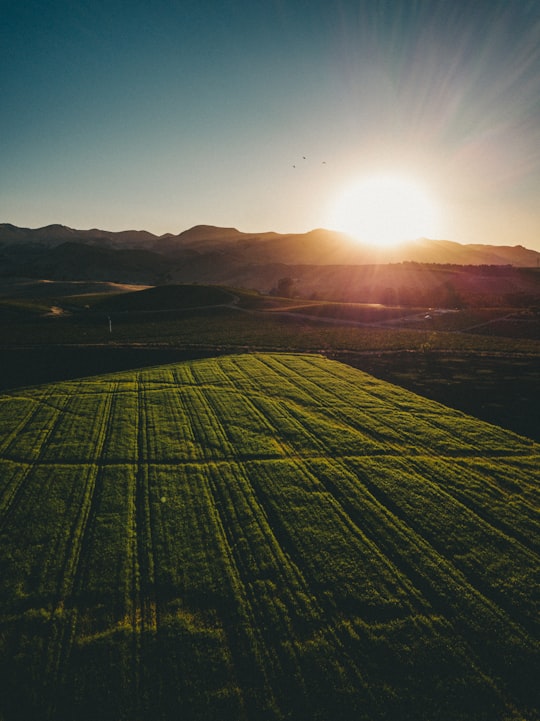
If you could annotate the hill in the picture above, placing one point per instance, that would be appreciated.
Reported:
(168, 297)
(263, 537)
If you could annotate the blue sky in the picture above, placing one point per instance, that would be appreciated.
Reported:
(165, 114)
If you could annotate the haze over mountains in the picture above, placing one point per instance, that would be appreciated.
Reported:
(226, 255)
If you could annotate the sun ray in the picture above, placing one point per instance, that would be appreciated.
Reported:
(385, 210)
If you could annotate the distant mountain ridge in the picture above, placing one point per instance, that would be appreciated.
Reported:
(316, 247)
(320, 263)
(56, 234)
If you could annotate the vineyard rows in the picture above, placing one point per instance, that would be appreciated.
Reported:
(263, 537)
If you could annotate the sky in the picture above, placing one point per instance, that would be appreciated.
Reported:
(263, 115)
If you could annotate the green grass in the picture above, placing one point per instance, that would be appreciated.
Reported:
(229, 328)
(263, 536)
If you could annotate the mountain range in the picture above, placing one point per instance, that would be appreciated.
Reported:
(210, 254)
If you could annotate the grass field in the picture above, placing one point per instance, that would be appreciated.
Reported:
(263, 536)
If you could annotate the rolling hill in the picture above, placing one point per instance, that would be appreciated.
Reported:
(263, 537)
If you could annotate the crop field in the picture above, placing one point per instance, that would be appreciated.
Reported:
(263, 537)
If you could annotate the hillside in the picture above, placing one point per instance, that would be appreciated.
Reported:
(165, 298)
(263, 537)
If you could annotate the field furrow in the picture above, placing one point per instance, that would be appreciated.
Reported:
(13, 481)
(15, 413)
(197, 580)
(30, 441)
(246, 428)
(392, 415)
(340, 563)
(121, 438)
(494, 564)
(505, 492)
(474, 433)
(207, 428)
(436, 575)
(350, 405)
(261, 538)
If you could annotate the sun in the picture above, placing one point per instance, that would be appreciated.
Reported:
(385, 210)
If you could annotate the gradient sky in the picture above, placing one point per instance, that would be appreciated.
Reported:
(163, 114)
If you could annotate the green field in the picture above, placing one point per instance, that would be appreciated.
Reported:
(263, 536)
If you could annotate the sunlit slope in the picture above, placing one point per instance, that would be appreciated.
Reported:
(263, 537)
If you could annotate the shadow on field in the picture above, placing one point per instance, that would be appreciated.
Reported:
(25, 367)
